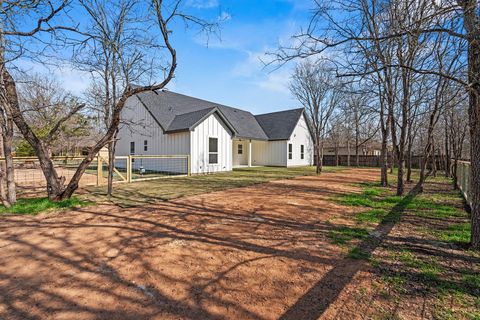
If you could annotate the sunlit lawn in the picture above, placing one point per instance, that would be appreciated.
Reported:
(34, 206)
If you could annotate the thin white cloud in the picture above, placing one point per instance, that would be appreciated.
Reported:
(250, 66)
(253, 70)
(224, 16)
(72, 80)
(277, 81)
(202, 4)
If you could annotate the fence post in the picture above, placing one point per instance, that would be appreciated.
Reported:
(99, 170)
(129, 168)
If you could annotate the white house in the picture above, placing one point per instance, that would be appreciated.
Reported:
(216, 137)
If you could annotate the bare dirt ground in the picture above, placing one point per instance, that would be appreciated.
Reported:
(31, 181)
(258, 252)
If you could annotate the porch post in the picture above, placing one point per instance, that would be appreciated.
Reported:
(249, 153)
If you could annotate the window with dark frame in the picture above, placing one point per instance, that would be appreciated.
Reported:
(212, 150)
(145, 145)
(240, 149)
(302, 152)
(132, 147)
(290, 151)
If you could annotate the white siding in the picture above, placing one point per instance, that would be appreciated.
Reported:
(269, 153)
(212, 127)
(300, 136)
(138, 126)
(142, 126)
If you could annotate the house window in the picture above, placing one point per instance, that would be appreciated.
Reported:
(290, 151)
(213, 150)
(132, 147)
(145, 145)
(302, 152)
(240, 149)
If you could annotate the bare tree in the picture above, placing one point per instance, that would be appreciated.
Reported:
(119, 51)
(361, 115)
(20, 22)
(315, 86)
(52, 113)
(164, 15)
(333, 27)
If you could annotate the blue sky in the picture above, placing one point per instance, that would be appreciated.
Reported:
(227, 69)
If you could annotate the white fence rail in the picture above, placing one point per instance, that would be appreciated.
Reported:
(463, 179)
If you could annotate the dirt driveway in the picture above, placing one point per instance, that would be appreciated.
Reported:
(246, 253)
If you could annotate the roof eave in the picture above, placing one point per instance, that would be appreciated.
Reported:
(220, 114)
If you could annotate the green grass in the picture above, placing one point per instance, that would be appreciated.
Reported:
(34, 206)
(458, 233)
(343, 235)
(165, 189)
(358, 253)
(437, 212)
(373, 216)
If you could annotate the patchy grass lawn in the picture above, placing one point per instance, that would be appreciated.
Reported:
(34, 206)
(425, 259)
(153, 191)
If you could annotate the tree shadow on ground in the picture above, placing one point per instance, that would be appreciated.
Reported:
(319, 297)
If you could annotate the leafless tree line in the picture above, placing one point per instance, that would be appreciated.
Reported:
(416, 64)
(120, 43)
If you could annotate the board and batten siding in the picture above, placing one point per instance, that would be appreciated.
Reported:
(211, 127)
(301, 136)
(139, 125)
(269, 153)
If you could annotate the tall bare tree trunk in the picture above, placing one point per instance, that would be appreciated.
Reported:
(348, 153)
(448, 162)
(111, 163)
(3, 177)
(7, 137)
(434, 159)
(336, 156)
(409, 159)
(318, 154)
(385, 128)
(471, 25)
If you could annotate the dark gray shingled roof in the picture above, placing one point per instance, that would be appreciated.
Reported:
(279, 125)
(188, 120)
(177, 112)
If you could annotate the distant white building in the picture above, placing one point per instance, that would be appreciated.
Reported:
(216, 137)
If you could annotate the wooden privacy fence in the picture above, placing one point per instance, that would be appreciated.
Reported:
(30, 180)
(374, 161)
(463, 179)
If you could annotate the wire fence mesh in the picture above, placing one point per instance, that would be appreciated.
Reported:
(152, 167)
(30, 180)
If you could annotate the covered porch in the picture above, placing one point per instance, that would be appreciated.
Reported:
(242, 153)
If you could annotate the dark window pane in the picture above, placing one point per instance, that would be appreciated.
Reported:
(132, 147)
(240, 149)
(289, 147)
(212, 145)
(213, 158)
